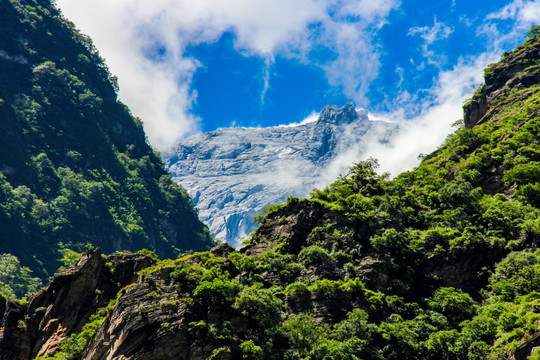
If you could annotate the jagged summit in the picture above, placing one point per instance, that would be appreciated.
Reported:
(344, 115)
(232, 173)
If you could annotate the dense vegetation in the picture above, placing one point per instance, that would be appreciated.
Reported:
(75, 166)
(439, 263)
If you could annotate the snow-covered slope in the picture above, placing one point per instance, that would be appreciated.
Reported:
(232, 173)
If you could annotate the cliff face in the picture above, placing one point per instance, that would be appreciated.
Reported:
(233, 173)
(75, 167)
(37, 327)
(110, 312)
(517, 70)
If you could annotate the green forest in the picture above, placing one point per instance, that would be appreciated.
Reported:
(76, 167)
(440, 262)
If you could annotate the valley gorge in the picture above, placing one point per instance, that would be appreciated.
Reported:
(103, 256)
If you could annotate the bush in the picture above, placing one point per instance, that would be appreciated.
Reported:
(217, 291)
(251, 351)
(297, 290)
(260, 306)
(15, 280)
(523, 174)
(453, 303)
(314, 255)
(533, 32)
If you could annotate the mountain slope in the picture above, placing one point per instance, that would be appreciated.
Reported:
(438, 263)
(233, 173)
(75, 165)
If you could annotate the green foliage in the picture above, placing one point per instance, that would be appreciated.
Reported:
(76, 165)
(15, 280)
(68, 257)
(216, 291)
(314, 255)
(454, 304)
(152, 255)
(518, 274)
(251, 351)
(260, 306)
(297, 290)
(533, 32)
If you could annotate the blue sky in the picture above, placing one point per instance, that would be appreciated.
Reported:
(189, 66)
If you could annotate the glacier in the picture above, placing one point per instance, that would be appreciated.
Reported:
(233, 173)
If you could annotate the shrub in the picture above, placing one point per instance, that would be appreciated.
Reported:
(523, 174)
(251, 351)
(314, 255)
(260, 306)
(297, 290)
(455, 304)
(217, 291)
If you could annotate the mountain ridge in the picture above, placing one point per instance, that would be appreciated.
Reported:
(75, 164)
(233, 173)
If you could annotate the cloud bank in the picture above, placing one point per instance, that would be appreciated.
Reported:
(144, 43)
(145, 46)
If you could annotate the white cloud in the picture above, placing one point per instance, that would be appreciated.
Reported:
(425, 129)
(522, 15)
(266, 78)
(437, 32)
(418, 134)
(526, 13)
(425, 132)
(160, 92)
(431, 34)
(357, 63)
(369, 10)
(312, 117)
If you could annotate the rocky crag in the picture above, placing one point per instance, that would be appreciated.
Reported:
(233, 173)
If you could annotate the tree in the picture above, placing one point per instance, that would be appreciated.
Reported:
(15, 280)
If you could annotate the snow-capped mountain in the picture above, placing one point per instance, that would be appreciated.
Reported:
(232, 173)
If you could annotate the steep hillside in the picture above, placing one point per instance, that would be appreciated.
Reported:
(233, 173)
(438, 263)
(75, 165)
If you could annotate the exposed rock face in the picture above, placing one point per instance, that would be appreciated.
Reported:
(518, 70)
(232, 173)
(148, 320)
(37, 328)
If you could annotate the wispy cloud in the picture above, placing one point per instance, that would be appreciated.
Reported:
(159, 88)
(525, 13)
(313, 116)
(522, 14)
(431, 34)
(426, 116)
(266, 77)
(424, 132)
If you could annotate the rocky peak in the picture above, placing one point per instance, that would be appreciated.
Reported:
(335, 115)
(517, 70)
